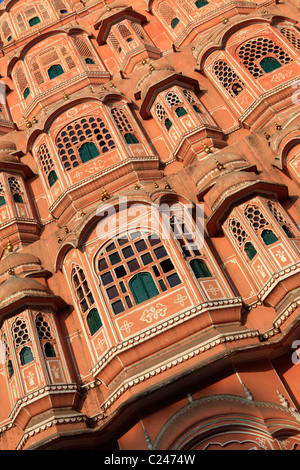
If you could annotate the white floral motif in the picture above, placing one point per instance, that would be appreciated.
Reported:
(154, 313)
(126, 326)
(281, 255)
(55, 371)
(180, 299)
(30, 377)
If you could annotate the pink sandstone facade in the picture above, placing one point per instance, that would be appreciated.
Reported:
(123, 329)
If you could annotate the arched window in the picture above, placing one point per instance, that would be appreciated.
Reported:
(250, 250)
(94, 321)
(200, 269)
(189, 245)
(260, 224)
(82, 290)
(168, 124)
(242, 238)
(143, 287)
(49, 350)
(268, 64)
(55, 70)
(268, 237)
(47, 165)
(52, 178)
(86, 130)
(26, 355)
(26, 93)
(201, 3)
(168, 14)
(262, 55)
(180, 111)
(133, 268)
(228, 78)
(15, 189)
(124, 126)
(286, 226)
(34, 21)
(88, 151)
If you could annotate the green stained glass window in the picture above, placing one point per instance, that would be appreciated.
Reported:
(34, 21)
(55, 70)
(268, 64)
(200, 269)
(26, 356)
(94, 321)
(269, 237)
(143, 287)
(88, 151)
(250, 250)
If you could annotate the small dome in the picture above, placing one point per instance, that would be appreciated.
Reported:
(17, 285)
(208, 166)
(6, 149)
(110, 10)
(6, 146)
(15, 260)
(229, 183)
(147, 78)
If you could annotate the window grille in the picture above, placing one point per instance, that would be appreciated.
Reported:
(228, 78)
(290, 35)
(72, 138)
(134, 268)
(255, 51)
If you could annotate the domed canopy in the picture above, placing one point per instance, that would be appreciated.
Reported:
(207, 171)
(6, 146)
(15, 285)
(112, 14)
(153, 80)
(231, 187)
(229, 183)
(16, 260)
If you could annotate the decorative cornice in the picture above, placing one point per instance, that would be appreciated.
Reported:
(163, 326)
(41, 392)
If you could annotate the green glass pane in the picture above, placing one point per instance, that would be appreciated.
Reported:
(269, 237)
(89, 61)
(174, 22)
(49, 350)
(17, 198)
(26, 356)
(34, 21)
(143, 287)
(268, 64)
(88, 151)
(250, 250)
(168, 124)
(2, 201)
(52, 178)
(94, 321)
(180, 112)
(55, 70)
(288, 231)
(201, 3)
(131, 138)
(10, 368)
(26, 93)
(200, 269)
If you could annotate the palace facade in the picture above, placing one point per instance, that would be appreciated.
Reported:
(149, 225)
